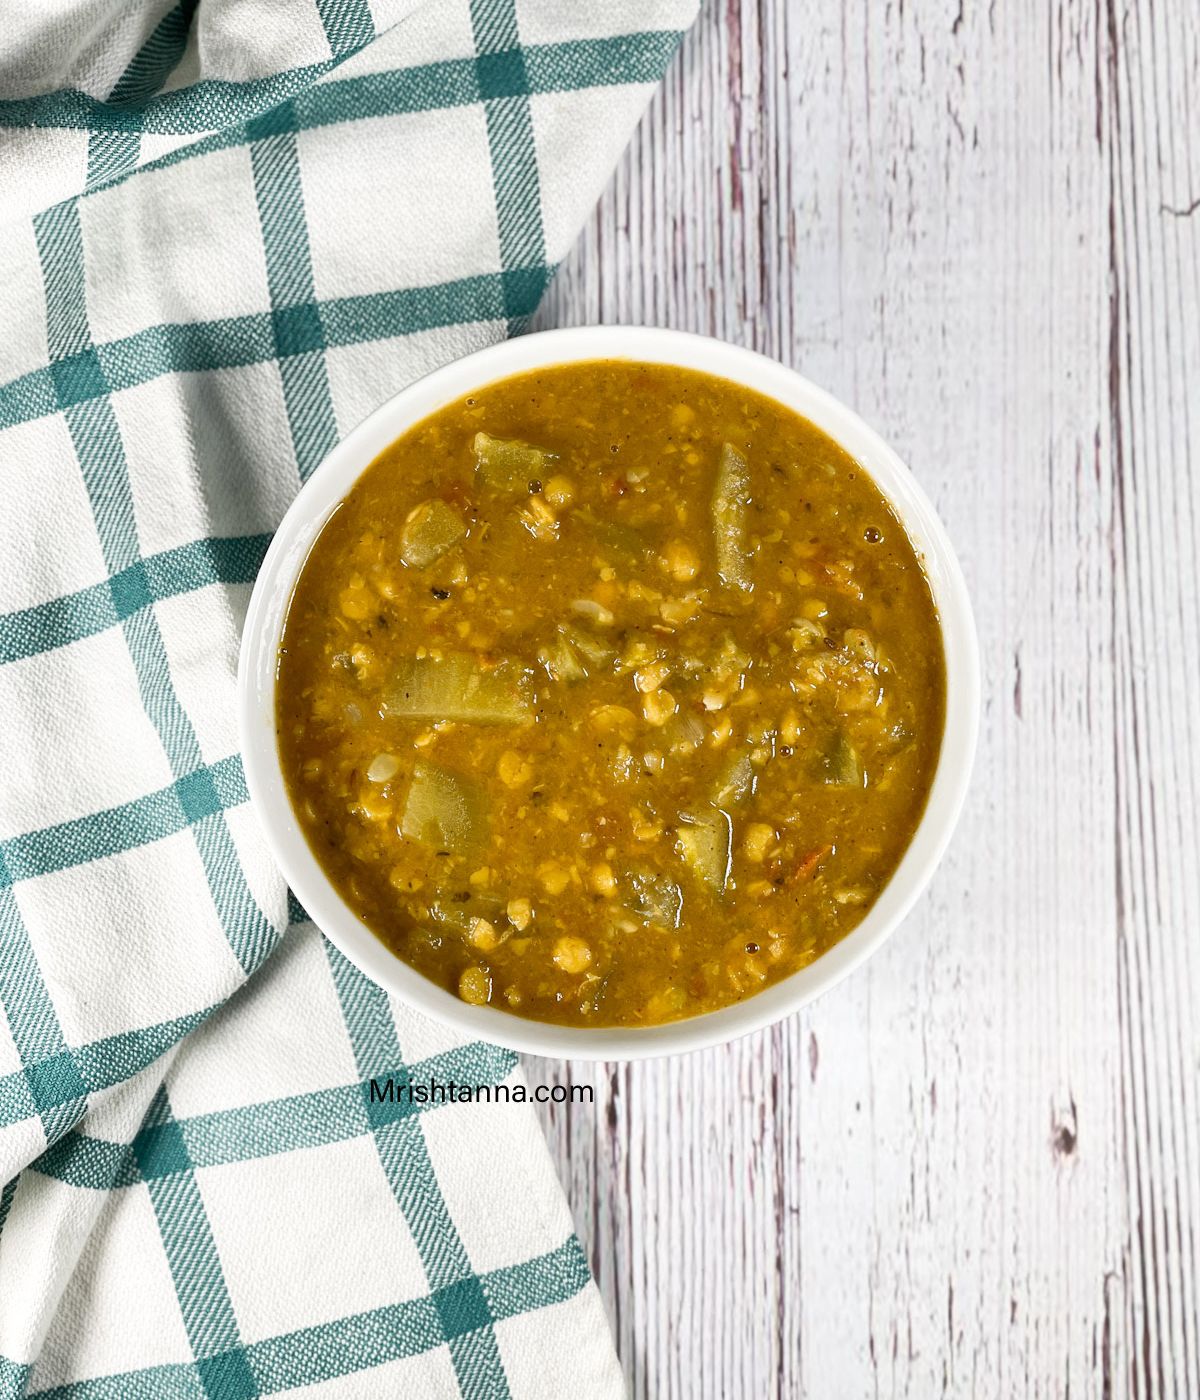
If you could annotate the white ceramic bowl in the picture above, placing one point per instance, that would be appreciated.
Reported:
(338, 473)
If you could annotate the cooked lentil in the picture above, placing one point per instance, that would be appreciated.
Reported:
(611, 694)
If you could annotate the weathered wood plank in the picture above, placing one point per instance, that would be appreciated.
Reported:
(975, 1169)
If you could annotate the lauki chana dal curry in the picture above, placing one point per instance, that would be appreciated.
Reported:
(611, 694)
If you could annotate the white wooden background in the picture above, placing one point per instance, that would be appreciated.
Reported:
(974, 1170)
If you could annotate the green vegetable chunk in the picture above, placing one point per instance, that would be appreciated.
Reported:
(560, 660)
(705, 843)
(594, 650)
(731, 498)
(735, 782)
(614, 540)
(840, 764)
(445, 811)
(653, 897)
(430, 529)
(503, 464)
(458, 686)
(460, 915)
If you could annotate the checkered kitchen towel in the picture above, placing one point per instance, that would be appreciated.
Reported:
(227, 231)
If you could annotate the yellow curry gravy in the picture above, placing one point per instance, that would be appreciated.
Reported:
(611, 694)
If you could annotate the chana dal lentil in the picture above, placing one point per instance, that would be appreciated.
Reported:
(611, 694)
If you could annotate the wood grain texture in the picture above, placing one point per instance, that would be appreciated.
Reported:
(974, 1169)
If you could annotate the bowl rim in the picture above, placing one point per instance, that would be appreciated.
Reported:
(327, 487)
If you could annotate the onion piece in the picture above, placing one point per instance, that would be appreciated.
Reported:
(599, 614)
(384, 766)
